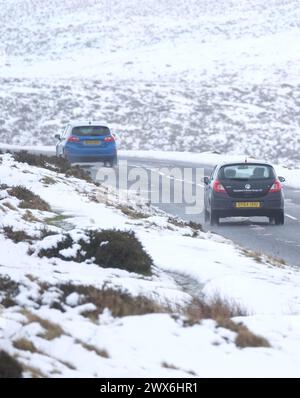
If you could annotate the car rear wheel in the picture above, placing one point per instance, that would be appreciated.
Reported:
(214, 218)
(113, 162)
(206, 216)
(271, 220)
(279, 218)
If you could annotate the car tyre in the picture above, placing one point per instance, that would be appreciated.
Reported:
(271, 220)
(214, 218)
(279, 218)
(206, 216)
(113, 162)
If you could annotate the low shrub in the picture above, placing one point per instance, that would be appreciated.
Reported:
(29, 200)
(52, 163)
(16, 236)
(108, 249)
(222, 310)
(9, 289)
(119, 303)
(216, 308)
(9, 367)
(117, 249)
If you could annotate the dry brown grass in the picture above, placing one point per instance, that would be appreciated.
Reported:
(102, 353)
(28, 199)
(167, 365)
(9, 290)
(48, 180)
(222, 311)
(52, 330)
(9, 206)
(261, 258)
(24, 345)
(28, 216)
(52, 163)
(132, 213)
(177, 222)
(34, 372)
(246, 338)
(119, 303)
(21, 236)
(275, 261)
(16, 236)
(216, 308)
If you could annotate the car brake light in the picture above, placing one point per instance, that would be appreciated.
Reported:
(109, 139)
(218, 187)
(72, 138)
(276, 187)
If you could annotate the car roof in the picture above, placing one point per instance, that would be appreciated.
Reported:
(81, 123)
(222, 164)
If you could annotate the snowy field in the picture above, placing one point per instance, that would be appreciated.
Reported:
(49, 328)
(193, 76)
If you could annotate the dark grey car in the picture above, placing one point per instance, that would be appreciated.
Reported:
(244, 189)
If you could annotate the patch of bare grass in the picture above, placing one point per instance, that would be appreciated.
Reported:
(261, 258)
(9, 206)
(222, 310)
(9, 289)
(16, 235)
(29, 200)
(24, 345)
(132, 213)
(89, 347)
(52, 163)
(29, 217)
(48, 180)
(119, 303)
(52, 330)
(177, 222)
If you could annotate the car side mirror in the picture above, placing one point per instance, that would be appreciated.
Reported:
(281, 179)
(206, 180)
(57, 136)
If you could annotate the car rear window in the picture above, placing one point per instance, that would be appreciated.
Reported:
(90, 130)
(246, 171)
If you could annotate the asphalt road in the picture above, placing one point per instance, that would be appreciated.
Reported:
(255, 233)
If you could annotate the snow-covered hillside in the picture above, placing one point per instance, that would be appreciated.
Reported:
(192, 314)
(174, 75)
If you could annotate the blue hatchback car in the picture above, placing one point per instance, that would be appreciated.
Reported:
(87, 142)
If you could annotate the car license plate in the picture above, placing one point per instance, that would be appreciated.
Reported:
(242, 205)
(92, 142)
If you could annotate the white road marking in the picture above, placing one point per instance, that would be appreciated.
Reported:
(168, 176)
(291, 217)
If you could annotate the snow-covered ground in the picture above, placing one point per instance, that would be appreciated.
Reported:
(187, 76)
(53, 336)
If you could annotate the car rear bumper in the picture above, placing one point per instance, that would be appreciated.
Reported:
(90, 154)
(269, 205)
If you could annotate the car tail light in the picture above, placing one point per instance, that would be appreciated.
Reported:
(218, 187)
(276, 187)
(109, 139)
(72, 138)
